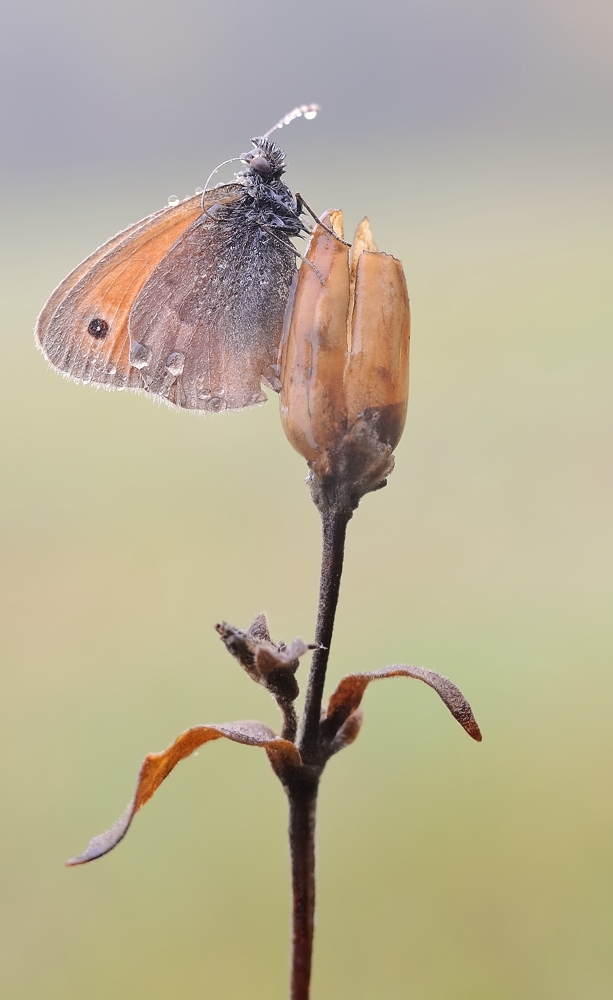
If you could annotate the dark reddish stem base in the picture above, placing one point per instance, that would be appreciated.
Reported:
(302, 805)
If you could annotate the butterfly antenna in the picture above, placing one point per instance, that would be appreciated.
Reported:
(213, 172)
(302, 111)
(307, 111)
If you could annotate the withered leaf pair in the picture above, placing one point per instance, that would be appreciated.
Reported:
(339, 726)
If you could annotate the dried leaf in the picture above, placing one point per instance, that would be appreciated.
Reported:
(268, 663)
(348, 732)
(259, 630)
(348, 696)
(241, 645)
(281, 657)
(157, 766)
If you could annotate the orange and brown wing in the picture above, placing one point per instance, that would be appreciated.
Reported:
(206, 326)
(83, 328)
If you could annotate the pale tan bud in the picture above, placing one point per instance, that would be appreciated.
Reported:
(345, 360)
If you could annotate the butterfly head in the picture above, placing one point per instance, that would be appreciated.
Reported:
(265, 160)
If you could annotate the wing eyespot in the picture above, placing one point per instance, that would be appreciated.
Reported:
(98, 328)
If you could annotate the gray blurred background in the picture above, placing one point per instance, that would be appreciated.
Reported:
(477, 137)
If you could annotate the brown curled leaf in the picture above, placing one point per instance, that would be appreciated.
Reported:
(157, 766)
(348, 695)
(347, 733)
(268, 663)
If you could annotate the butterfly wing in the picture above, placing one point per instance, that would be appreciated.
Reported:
(207, 324)
(83, 328)
(186, 305)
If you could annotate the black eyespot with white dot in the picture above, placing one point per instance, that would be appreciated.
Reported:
(98, 328)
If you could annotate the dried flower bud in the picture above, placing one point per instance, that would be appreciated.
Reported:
(345, 360)
(270, 664)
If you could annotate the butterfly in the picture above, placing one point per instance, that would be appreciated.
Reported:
(187, 304)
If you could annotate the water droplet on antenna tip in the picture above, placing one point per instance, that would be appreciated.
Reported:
(310, 114)
(173, 200)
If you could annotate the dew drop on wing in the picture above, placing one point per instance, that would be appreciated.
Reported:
(173, 201)
(175, 363)
(140, 355)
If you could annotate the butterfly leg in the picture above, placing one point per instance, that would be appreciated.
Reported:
(302, 207)
(286, 243)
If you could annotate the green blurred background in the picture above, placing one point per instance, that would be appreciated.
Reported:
(476, 135)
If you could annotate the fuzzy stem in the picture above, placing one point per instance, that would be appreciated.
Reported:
(302, 803)
(290, 720)
(334, 529)
(302, 787)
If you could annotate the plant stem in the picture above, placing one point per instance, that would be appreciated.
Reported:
(302, 803)
(334, 529)
(290, 720)
(303, 783)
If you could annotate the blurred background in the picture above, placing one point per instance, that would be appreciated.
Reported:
(476, 134)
